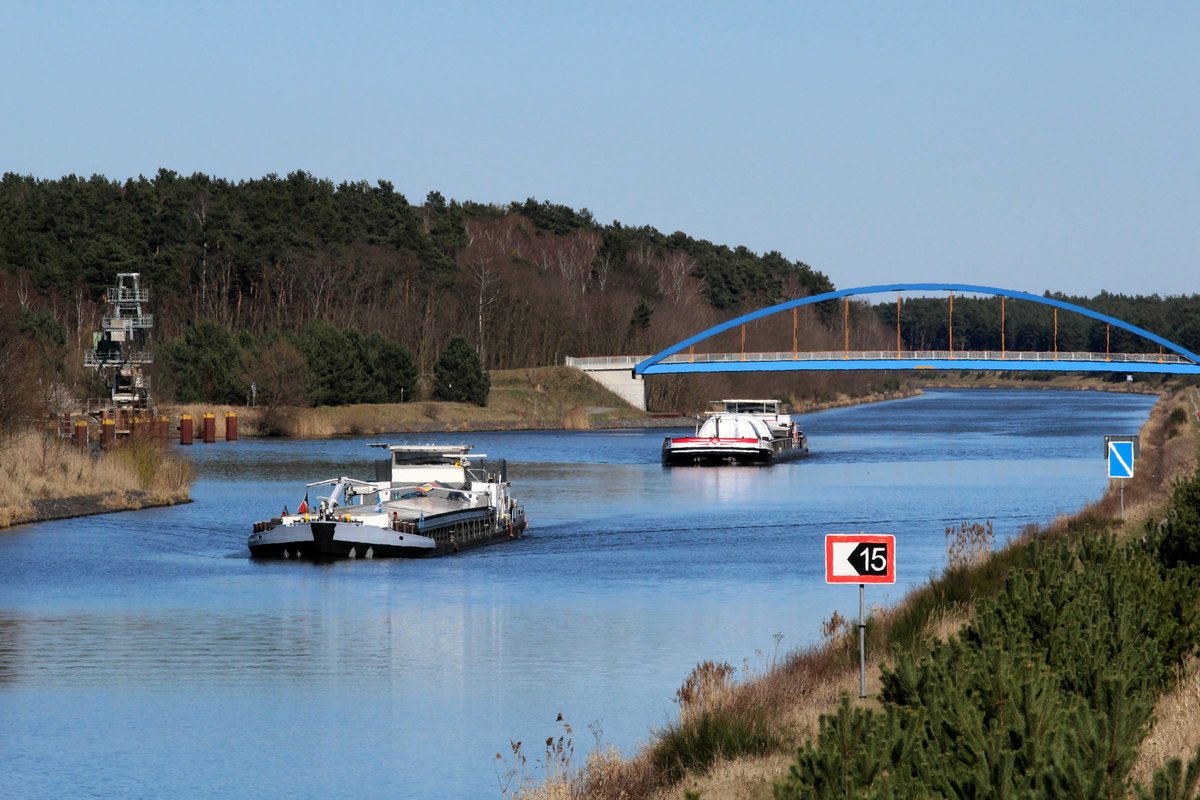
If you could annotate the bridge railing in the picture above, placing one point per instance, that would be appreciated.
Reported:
(604, 362)
(925, 355)
(628, 362)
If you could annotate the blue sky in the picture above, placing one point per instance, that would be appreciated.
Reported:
(1028, 146)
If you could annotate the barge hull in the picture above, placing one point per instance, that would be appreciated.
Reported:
(457, 544)
(702, 454)
(328, 541)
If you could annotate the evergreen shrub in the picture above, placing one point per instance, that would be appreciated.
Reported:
(458, 375)
(1178, 537)
(1047, 693)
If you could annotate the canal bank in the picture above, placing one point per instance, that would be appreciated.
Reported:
(739, 739)
(539, 398)
(48, 479)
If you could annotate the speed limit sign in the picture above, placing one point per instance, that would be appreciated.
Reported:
(860, 558)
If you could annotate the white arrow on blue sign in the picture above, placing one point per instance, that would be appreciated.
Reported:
(1120, 459)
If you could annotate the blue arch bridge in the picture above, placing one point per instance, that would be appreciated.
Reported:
(623, 374)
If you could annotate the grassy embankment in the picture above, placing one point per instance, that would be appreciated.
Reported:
(45, 477)
(1052, 722)
(553, 398)
(541, 398)
(1062, 381)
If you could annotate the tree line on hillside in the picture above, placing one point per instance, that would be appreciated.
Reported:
(259, 265)
(525, 284)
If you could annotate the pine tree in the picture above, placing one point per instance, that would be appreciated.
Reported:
(205, 364)
(331, 364)
(458, 375)
(1046, 693)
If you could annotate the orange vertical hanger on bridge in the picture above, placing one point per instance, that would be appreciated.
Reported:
(952, 325)
(795, 341)
(846, 326)
(898, 325)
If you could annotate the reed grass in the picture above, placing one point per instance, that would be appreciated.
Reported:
(39, 466)
(711, 725)
(576, 419)
(36, 465)
(969, 543)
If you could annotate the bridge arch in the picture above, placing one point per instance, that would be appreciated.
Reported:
(654, 365)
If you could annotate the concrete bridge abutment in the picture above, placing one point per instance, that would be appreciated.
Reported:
(615, 373)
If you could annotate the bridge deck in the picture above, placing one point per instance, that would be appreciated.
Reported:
(994, 360)
(930, 355)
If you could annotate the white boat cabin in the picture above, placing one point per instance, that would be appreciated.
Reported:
(759, 407)
(734, 426)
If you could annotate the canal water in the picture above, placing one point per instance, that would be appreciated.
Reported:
(144, 654)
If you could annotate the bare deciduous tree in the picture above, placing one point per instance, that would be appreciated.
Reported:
(483, 274)
(673, 275)
(278, 373)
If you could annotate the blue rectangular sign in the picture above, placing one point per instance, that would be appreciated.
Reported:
(1120, 459)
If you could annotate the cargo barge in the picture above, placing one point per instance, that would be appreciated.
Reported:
(744, 432)
(426, 500)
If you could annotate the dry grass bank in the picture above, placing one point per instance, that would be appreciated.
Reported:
(1066, 381)
(1169, 450)
(541, 398)
(38, 467)
(735, 739)
(845, 400)
(1176, 730)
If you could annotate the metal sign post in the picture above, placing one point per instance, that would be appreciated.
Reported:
(860, 558)
(862, 640)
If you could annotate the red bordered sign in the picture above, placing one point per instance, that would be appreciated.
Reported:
(860, 558)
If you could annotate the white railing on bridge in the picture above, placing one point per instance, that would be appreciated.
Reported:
(928, 355)
(604, 362)
(628, 362)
